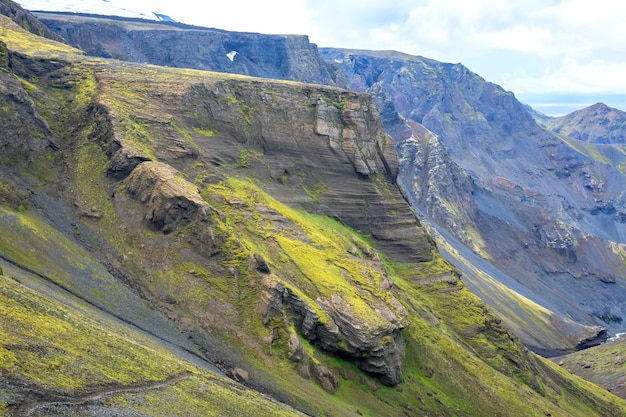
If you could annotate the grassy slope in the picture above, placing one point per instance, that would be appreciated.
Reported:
(460, 360)
(604, 365)
(55, 350)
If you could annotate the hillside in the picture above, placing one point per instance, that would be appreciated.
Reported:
(547, 322)
(157, 220)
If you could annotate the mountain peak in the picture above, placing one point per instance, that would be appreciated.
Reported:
(597, 123)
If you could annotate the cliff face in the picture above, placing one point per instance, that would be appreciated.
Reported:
(282, 57)
(513, 193)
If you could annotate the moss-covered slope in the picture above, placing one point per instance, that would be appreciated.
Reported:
(259, 218)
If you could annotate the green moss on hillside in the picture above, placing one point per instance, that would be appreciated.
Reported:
(40, 339)
(23, 41)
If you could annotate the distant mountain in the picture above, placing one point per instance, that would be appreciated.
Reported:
(594, 124)
(545, 216)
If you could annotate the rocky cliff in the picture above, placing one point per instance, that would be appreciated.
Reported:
(283, 57)
(510, 191)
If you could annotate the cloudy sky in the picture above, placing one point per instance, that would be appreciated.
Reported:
(557, 55)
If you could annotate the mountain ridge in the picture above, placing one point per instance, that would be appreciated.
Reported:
(598, 123)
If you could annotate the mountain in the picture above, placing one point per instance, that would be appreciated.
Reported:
(519, 205)
(598, 124)
(181, 242)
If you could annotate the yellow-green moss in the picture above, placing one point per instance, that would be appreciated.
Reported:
(42, 339)
(204, 132)
(317, 248)
(21, 40)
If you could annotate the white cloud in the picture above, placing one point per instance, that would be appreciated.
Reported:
(571, 76)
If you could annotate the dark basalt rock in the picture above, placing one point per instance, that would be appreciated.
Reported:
(284, 57)
(261, 264)
(378, 349)
(599, 338)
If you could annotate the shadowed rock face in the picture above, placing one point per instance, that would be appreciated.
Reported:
(544, 212)
(283, 57)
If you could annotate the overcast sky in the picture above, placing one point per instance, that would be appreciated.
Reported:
(542, 50)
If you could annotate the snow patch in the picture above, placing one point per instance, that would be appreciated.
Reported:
(101, 7)
(231, 55)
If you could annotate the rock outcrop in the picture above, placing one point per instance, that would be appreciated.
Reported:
(26, 135)
(374, 341)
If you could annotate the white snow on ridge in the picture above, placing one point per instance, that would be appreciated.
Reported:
(101, 7)
(231, 55)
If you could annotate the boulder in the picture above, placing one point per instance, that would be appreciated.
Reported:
(261, 264)
(171, 203)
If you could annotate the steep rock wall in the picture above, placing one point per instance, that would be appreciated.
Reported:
(283, 57)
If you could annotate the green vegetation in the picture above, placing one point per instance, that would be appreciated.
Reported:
(588, 149)
(58, 350)
(204, 132)
(603, 365)
(315, 251)
(40, 339)
(316, 191)
(23, 41)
